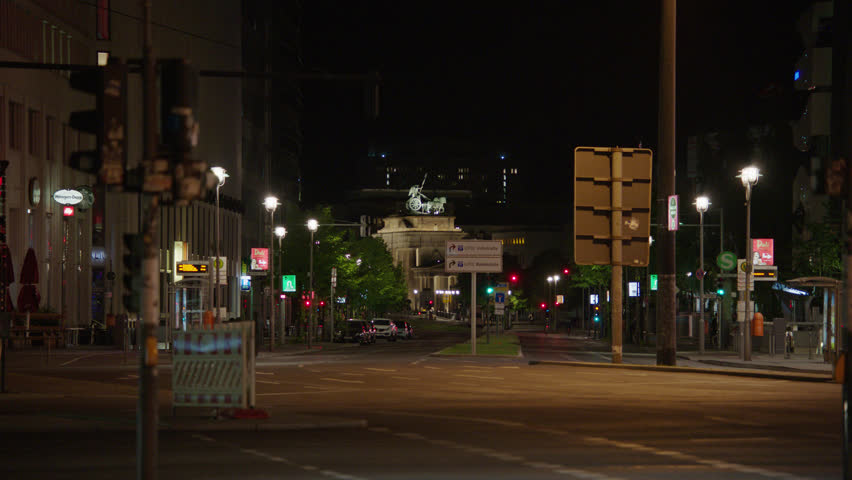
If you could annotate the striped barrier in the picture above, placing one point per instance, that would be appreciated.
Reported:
(214, 367)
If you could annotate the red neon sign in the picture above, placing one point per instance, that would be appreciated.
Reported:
(68, 211)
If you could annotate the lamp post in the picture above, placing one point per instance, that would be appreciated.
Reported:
(271, 203)
(313, 225)
(221, 174)
(280, 232)
(416, 309)
(702, 203)
(749, 177)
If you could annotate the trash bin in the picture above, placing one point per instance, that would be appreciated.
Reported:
(757, 325)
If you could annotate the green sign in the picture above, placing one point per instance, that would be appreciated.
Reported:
(653, 281)
(726, 260)
(288, 283)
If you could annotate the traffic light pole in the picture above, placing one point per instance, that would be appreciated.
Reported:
(616, 253)
(147, 411)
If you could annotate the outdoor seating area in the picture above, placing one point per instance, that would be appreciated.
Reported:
(44, 329)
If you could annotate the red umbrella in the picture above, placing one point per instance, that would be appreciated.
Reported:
(28, 297)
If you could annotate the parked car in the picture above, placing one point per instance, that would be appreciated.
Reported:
(385, 328)
(354, 331)
(403, 329)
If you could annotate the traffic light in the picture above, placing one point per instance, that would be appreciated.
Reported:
(307, 304)
(514, 278)
(597, 313)
(543, 305)
(489, 290)
(566, 271)
(107, 122)
(134, 245)
(720, 288)
(179, 134)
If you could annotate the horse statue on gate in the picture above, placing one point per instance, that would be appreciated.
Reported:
(420, 204)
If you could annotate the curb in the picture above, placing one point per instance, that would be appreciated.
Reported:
(655, 368)
(777, 368)
(467, 355)
(221, 426)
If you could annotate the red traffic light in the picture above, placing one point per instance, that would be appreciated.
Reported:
(543, 306)
(307, 303)
(322, 303)
(513, 278)
(566, 271)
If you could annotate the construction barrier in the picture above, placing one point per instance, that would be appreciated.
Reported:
(214, 367)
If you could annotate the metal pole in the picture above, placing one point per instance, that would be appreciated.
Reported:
(617, 270)
(216, 292)
(147, 416)
(283, 308)
(701, 284)
(666, 307)
(473, 313)
(271, 283)
(746, 355)
(311, 293)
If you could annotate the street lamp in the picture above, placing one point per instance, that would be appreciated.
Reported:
(416, 309)
(749, 176)
(221, 174)
(702, 203)
(313, 225)
(280, 232)
(271, 203)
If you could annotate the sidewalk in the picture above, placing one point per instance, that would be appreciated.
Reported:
(797, 367)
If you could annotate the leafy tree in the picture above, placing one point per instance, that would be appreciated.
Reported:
(821, 253)
(591, 276)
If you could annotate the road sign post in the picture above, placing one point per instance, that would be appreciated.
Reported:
(612, 216)
(473, 256)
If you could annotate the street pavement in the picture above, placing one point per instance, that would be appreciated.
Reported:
(392, 410)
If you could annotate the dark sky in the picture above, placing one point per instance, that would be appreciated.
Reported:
(535, 78)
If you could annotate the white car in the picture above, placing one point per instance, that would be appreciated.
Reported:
(385, 328)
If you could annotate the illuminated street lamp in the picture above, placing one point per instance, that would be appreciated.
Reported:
(221, 174)
(749, 176)
(280, 232)
(313, 225)
(702, 203)
(271, 203)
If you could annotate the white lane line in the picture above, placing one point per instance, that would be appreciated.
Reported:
(736, 422)
(542, 465)
(341, 380)
(478, 376)
(281, 394)
(491, 421)
(509, 366)
(381, 369)
(405, 378)
(411, 436)
(354, 374)
(341, 476)
(431, 367)
(316, 387)
(267, 381)
(263, 373)
(309, 468)
(79, 358)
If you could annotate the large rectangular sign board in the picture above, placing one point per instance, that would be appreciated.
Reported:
(593, 211)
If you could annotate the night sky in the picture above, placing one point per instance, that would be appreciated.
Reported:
(533, 78)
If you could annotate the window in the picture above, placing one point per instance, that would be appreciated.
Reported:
(16, 126)
(36, 132)
(103, 30)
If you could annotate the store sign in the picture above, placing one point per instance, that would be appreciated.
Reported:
(245, 283)
(98, 256)
(763, 251)
(68, 197)
(259, 259)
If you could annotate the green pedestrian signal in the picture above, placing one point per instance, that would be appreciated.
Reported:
(653, 281)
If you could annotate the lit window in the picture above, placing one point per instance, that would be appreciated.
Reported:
(103, 58)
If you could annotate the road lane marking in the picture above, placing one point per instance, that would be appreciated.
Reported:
(316, 387)
(431, 367)
(267, 381)
(263, 373)
(736, 422)
(309, 467)
(341, 380)
(381, 369)
(341, 476)
(353, 374)
(478, 376)
(412, 436)
(279, 394)
(509, 366)
(491, 421)
(79, 358)
(733, 439)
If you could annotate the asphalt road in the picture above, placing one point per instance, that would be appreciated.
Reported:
(457, 417)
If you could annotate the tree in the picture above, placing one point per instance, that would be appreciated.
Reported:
(820, 254)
